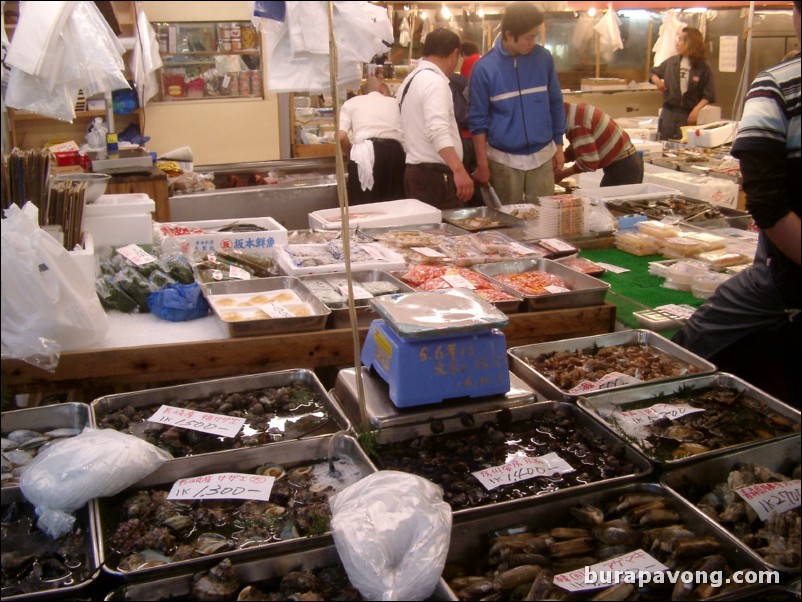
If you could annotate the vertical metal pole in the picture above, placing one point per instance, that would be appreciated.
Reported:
(649, 49)
(746, 79)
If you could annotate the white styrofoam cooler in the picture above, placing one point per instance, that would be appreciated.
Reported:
(712, 134)
(85, 258)
(713, 190)
(119, 219)
(403, 212)
(628, 191)
(261, 242)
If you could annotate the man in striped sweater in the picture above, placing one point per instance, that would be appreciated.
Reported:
(596, 142)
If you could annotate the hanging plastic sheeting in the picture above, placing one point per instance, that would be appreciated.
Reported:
(666, 44)
(609, 33)
(583, 39)
(298, 48)
(145, 59)
(58, 49)
(404, 34)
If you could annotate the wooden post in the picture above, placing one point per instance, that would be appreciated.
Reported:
(412, 31)
(598, 54)
(649, 49)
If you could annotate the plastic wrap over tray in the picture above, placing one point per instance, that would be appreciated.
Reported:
(540, 382)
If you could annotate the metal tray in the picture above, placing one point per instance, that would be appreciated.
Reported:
(236, 384)
(255, 327)
(602, 405)
(252, 572)
(470, 536)
(457, 424)
(383, 413)
(46, 418)
(240, 460)
(647, 206)
(365, 314)
(585, 290)
(87, 550)
(541, 383)
(691, 482)
(444, 229)
(503, 220)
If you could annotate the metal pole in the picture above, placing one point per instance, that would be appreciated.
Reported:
(746, 79)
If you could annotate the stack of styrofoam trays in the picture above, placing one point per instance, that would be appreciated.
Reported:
(562, 215)
(681, 275)
(721, 259)
(705, 284)
(679, 247)
(658, 229)
(635, 243)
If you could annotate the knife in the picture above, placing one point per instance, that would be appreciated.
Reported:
(490, 197)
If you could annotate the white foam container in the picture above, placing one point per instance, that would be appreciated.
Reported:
(628, 192)
(713, 190)
(648, 147)
(119, 219)
(260, 242)
(712, 134)
(403, 212)
(85, 258)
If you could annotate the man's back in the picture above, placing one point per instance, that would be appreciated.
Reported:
(371, 115)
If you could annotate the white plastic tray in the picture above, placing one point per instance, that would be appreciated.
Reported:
(403, 212)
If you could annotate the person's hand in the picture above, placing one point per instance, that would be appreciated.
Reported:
(558, 160)
(481, 175)
(559, 176)
(464, 185)
(660, 83)
(693, 117)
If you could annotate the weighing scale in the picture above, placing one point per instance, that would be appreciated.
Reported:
(124, 161)
(434, 346)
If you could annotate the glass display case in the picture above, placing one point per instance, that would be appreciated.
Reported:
(209, 60)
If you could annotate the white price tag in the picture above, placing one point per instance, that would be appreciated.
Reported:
(276, 310)
(217, 275)
(374, 252)
(214, 424)
(682, 312)
(520, 249)
(557, 245)
(226, 80)
(636, 422)
(359, 292)
(223, 486)
(457, 281)
(553, 288)
(238, 273)
(590, 577)
(765, 498)
(428, 252)
(522, 468)
(136, 255)
(615, 269)
(613, 379)
(211, 258)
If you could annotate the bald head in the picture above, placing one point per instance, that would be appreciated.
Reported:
(372, 84)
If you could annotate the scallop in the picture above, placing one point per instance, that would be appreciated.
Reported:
(17, 457)
(145, 559)
(8, 444)
(211, 543)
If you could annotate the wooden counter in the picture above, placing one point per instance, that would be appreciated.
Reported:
(154, 184)
(150, 365)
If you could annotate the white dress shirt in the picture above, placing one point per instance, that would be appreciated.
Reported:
(371, 116)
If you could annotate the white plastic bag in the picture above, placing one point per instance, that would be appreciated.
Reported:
(96, 463)
(45, 294)
(392, 531)
(599, 218)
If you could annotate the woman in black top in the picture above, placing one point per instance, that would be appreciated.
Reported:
(686, 82)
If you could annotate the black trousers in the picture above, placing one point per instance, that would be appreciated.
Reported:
(628, 170)
(388, 174)
(433, 184)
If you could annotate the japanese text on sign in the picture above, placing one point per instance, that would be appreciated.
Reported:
(632, 562)
(276, 310)
(359, 292)
(765, 498)
(214, 424)
(655, 413)
(223, 486)
(608, 381)
(522, 468)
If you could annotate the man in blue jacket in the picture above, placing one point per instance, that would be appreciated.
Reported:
(516, 111)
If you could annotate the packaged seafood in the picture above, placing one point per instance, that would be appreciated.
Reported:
(266, 306)
(461, 251)
(710, 486)
(636, 243)
(299, 260)
(28, 431)
(544, 551)
(38, 567)
(592, 365)
(582, 290)
(580, 264)
(686, 420)
(657, 229)
(496, 460)
(682, 208)
(275, 406)
(143, 532)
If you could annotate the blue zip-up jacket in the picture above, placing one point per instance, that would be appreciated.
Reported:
(516, 100)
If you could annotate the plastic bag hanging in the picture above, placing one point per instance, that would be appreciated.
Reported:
(666, 44)
(404, 35)
(609, 33)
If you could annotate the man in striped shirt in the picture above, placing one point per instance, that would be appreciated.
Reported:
(596, 142)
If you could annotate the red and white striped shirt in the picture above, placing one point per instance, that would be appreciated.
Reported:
(596, 139)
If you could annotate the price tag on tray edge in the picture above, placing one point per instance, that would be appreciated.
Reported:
(223, 486)
(204, 422)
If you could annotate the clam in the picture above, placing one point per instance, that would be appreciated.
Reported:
(63, 432)
(8, 444)
(23, 435)
(33, 443)
(211, 543)
(220, 583)
(17, 457)
(146, 559)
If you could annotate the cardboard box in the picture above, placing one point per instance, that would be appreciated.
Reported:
(260, 242)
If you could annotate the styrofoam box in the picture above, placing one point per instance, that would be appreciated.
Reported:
(85, 258)
(709, 114)
(648, 147)
(628, 191)
(647, 122)
(403, 212)
(260, 242)
(712, 134)
(119, 219)
(641, 134)
(713, 190)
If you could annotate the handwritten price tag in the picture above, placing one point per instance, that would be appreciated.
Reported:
(557, 245)
(276, 310)
(632, 562)
(374, 252)
(657, 412)
(238, 273)
(359, 292)
(214, 424)
(765, 498)
(520, 249)
(608, 381)
(680, 311)
(428, 252)
(522, 468)
(458, 281)
(223, 486)
(136, 254)
(614, 269)
(553, 288)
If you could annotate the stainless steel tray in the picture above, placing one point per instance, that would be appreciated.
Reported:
(540, 382)
(648, 207)
(500, 219)
(41, 545)
(383, 413)
(603, 405)
(365, 314)
(470, 536)
(584, 424)
(691, 482)
(256, 326)
(251, 572)
(585, 290)
(155, 398)
(46, 418)
(444, 229)
(241, 460)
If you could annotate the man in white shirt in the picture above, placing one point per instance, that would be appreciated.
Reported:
(376, 168)
(434, 172)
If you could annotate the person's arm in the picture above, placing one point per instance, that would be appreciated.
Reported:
(657, 75)
(785, 234)
(558, 160)
(482, 173)
(708, 96)
(463, 181)
(345, 144)
(693, 116)
(478, 122)
(557, 109)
